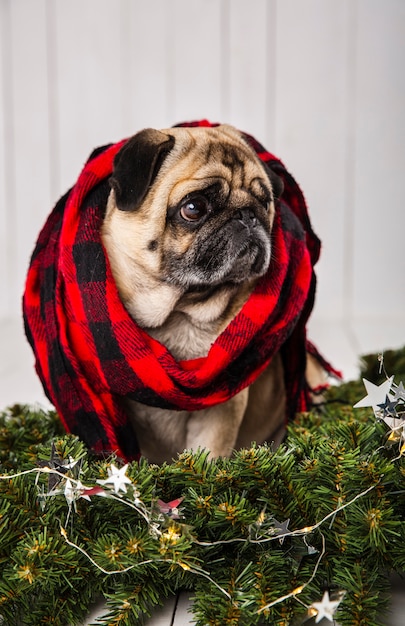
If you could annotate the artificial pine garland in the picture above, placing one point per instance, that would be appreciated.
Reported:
(310, 530)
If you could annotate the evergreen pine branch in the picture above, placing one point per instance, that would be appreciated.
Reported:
(338, 478)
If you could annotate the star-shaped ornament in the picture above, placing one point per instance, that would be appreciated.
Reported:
(74, 491)
(388, 408)
(61, 466)
(281, 528)
(171, 508)
(117, 477)
(325, 608)
(399, 391)
(376, 394)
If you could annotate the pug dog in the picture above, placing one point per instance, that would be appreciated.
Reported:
(187, 231)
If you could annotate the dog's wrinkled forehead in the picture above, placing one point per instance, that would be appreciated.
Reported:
(181, 160)
(204, 158)
(221, 147)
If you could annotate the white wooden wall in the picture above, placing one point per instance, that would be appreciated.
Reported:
(320, 82)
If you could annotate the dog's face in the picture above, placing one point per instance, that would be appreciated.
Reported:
(192, 208)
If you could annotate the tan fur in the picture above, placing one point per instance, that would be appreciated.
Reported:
(184, 321)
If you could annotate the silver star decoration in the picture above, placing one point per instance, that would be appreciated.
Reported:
(325, 608)
(399, 391)
(117, 478)
(281, 528)
(376, 394)
(61, 466)
(75, 491)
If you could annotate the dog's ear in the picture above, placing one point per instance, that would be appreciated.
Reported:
(136, 166)
(277, 183)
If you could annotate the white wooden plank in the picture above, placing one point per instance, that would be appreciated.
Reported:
(182, 616)
(397, 602)
(195, 43)
(6, 159)
(53, 102)
(97, 611)
(379, 220)
(90, 90)
(162, 616)
(249, 67)
(271, 69)
(311, 117)
(18, 380)
(148, 80)
(337, 342)
(376, 334)
(30, 135)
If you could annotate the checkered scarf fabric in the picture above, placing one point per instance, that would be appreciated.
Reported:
(90, 353)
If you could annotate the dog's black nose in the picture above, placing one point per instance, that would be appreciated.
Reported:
(246, 216)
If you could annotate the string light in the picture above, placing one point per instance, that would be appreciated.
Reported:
(299, 589)
(197, 571)
(193, 570)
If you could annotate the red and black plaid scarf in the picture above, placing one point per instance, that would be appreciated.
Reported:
(90, 353)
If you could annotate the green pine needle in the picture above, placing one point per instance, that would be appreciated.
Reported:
(338, 479)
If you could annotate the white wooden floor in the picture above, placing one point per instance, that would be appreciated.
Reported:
(340, 342)
(176, 611)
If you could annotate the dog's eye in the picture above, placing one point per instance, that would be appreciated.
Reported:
(194, 209)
